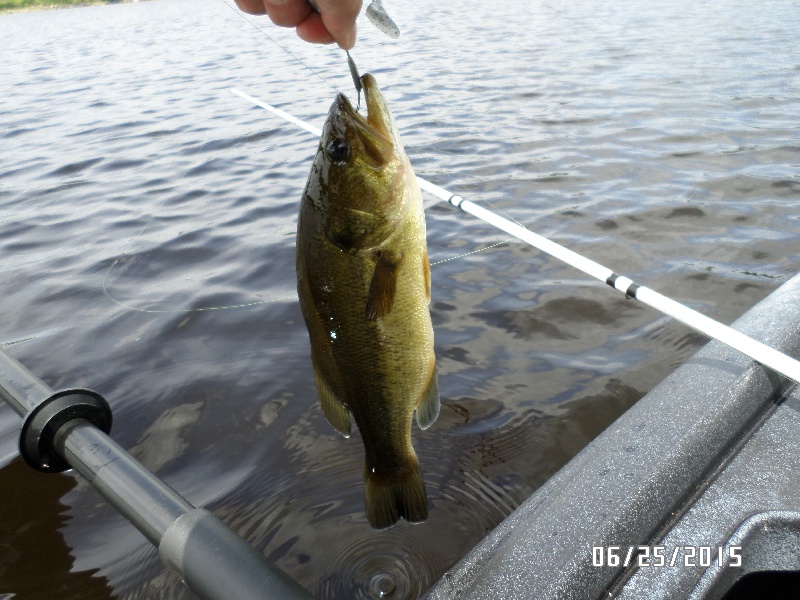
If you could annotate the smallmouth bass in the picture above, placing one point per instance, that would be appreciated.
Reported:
(363, 279)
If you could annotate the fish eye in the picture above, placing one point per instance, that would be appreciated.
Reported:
(338, 150)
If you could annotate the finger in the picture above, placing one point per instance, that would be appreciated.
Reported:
(253, 7)
(339, 17)
(313, 30)
(289, 13)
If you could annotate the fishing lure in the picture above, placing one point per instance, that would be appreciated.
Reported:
(356, 77)
(377, 15)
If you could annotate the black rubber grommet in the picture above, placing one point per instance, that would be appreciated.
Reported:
(41, 424)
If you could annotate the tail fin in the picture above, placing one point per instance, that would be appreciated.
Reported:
(393, 495)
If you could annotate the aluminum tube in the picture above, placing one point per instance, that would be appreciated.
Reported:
(20, 388)
(217, 563)
(213, 561)
(142, 498)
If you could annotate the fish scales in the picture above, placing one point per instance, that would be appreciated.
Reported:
(364, 289)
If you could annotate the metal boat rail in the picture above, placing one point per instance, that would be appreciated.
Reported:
(702, 471)
(69, 429)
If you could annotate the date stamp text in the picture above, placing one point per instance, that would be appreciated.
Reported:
(661, 556)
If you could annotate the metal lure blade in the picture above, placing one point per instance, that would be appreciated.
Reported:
(356, 77)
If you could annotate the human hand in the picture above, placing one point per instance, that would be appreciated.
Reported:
(335, 21)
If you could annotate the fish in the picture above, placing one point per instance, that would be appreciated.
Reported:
(377, 15)
(364, 284)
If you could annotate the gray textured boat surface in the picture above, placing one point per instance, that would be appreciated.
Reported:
(700, 461)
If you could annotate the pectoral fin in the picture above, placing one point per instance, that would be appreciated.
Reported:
(428, 407)
(334, 409)
(384, 285)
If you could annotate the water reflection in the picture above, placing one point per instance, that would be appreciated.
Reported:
(33, 555)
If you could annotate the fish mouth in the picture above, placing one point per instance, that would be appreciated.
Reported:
(377, 110)
(372, 136)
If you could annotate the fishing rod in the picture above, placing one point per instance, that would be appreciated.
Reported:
(761, 353)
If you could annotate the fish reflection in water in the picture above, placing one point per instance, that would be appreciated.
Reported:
(364, 287)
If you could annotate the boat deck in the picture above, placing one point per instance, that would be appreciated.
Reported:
(707, 459)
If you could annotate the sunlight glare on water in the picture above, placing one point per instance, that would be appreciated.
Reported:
(147, 251)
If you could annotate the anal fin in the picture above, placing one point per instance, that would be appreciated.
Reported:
(428, 408)
(333, 408)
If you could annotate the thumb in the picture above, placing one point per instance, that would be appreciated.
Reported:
(339, 17)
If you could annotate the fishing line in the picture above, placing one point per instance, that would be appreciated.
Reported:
(289, 52)
(452, 258)
(124, 255)
(193, 310)
(18, 341)
(316, 131)
(761, 353)
(311, 129)
(119, 259)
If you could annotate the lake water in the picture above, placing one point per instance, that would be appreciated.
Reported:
(147, 220)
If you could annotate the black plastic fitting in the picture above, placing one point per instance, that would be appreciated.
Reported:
(41, 424)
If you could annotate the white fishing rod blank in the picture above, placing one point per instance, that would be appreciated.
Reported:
(282, 114)
(767, 356)
(778, 361)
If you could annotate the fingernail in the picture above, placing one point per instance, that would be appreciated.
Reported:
(277, 1)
